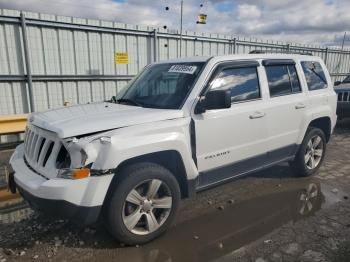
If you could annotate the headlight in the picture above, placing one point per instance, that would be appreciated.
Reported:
(78, 173)
(84, 156)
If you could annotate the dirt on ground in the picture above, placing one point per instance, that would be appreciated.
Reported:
(268, 216)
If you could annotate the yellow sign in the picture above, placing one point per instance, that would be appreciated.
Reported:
(202, 19)
(121, 58)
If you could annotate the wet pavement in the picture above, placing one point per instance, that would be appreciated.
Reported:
(219, 232)
(268, 216)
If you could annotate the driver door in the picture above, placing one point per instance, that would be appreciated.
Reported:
(232, 141)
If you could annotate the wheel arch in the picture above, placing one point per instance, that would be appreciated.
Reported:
(323, 123)
(169, 159)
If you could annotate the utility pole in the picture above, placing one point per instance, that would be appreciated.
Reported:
(27, 63)
(181, 16)
(342, 45)
(341, 52)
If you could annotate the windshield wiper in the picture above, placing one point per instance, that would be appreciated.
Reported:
(129, 101)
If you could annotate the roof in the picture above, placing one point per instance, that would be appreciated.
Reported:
(241, 57)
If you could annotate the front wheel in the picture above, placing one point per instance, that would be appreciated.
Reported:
(143, 204)
(311, 153)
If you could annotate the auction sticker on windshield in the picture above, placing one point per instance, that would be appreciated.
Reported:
(185, 69)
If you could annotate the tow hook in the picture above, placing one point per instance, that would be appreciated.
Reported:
(11, 184)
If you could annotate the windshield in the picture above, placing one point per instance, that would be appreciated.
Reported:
(347, 79)
(161, 85)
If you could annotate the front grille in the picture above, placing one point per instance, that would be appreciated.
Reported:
(63, 159)
(41, 149)
(344, 96)
(37, 148)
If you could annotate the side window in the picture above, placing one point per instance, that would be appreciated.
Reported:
(315, 77)
(282, 79)
(243, 83)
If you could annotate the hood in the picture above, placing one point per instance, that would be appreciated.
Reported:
(96, 117)
(342, 87)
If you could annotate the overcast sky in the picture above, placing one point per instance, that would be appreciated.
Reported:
(320, 22)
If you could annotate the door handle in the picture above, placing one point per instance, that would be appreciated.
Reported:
(300, 106)
(257, 115)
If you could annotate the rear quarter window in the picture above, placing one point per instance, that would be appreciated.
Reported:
(315, 77)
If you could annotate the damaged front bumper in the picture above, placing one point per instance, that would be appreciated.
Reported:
(79, 200)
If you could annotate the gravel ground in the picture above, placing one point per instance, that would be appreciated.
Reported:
(263, 217)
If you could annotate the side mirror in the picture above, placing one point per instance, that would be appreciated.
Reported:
(214, 99)
(336, 83)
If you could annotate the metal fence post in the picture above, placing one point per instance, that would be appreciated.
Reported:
(326, 56)
(235, 45)
(230, 46)
(288, 48)
(27, 63)
(155, 45)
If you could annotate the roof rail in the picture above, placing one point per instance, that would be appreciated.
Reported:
(279, 52)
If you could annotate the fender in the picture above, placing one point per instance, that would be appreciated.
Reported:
(144, 139)
(311, 115)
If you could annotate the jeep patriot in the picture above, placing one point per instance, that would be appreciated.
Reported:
(179, 127)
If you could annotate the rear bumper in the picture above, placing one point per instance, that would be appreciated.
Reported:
(343, 109)
(79, 200)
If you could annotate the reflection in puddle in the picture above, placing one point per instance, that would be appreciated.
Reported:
(216, 235)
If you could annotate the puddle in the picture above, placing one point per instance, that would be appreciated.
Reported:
(218, 234)
(332, 197)
(251, 208)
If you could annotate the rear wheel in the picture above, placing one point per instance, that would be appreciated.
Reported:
(143, 204)
(311, 153)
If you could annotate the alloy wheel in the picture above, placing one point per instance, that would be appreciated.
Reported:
(147, 207)
(314, 152)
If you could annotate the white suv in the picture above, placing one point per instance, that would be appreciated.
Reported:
(179, 127)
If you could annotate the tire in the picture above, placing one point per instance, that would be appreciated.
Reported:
(301, 166)
(143, 203)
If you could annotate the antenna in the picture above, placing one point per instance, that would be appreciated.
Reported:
(181, 18)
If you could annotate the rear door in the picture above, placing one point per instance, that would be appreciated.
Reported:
(316, 82)
(286, 111)
(233, 140)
